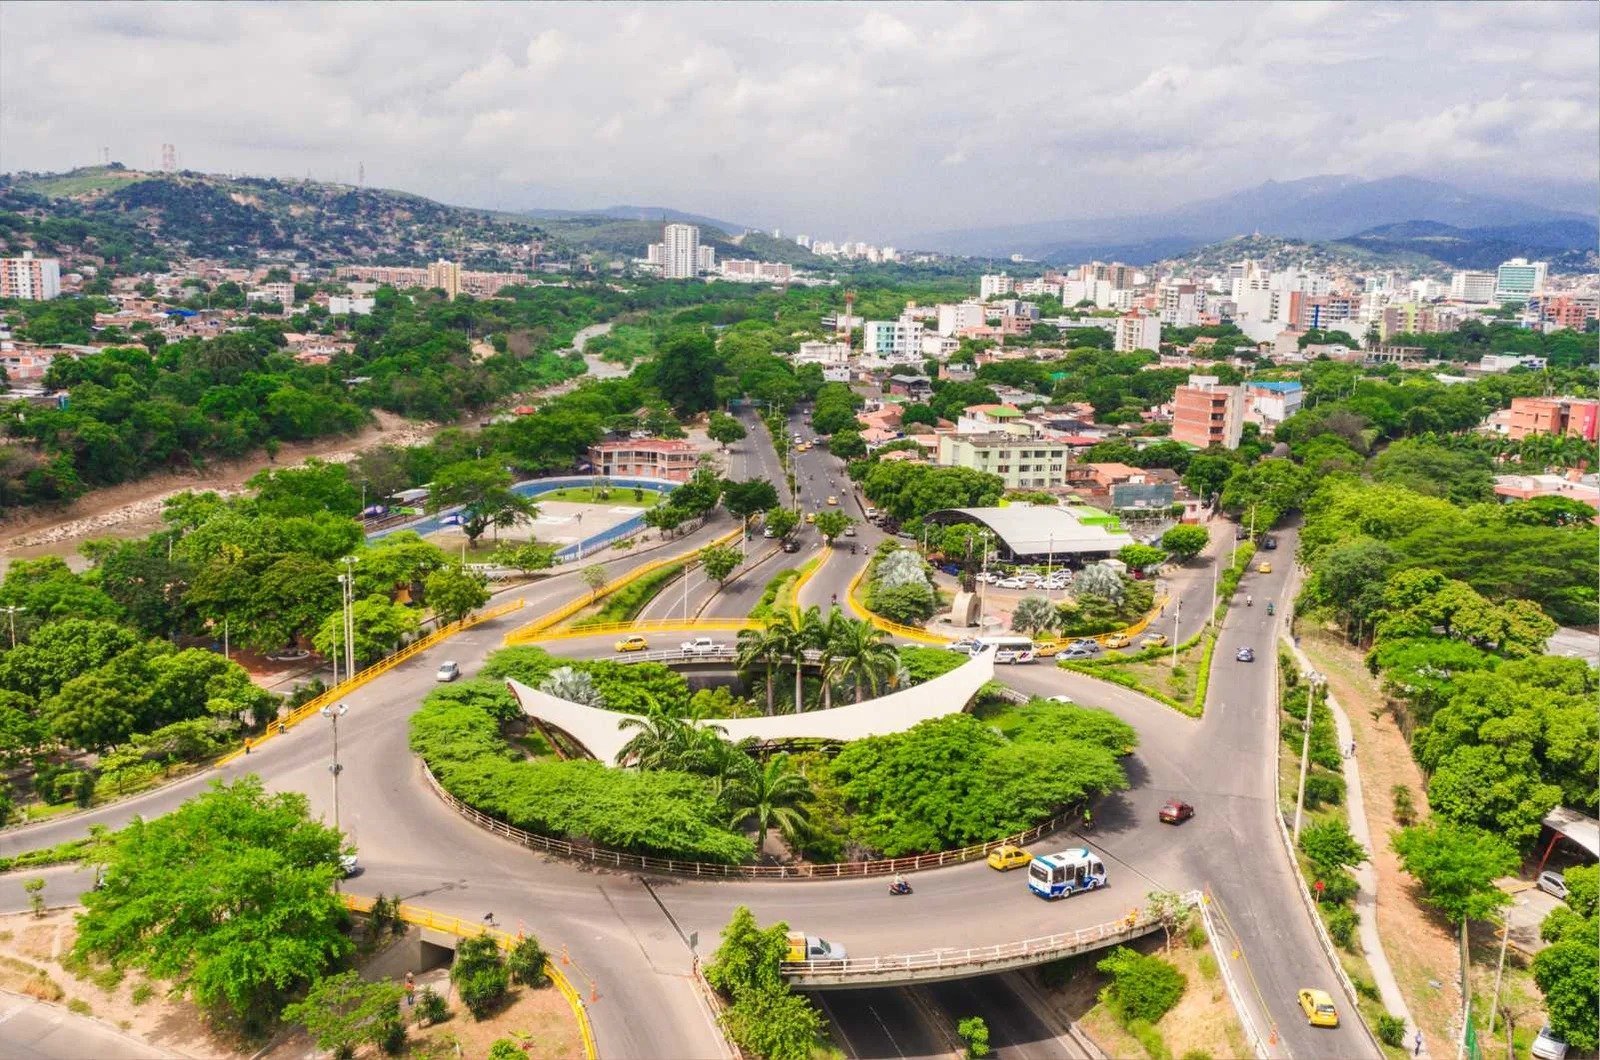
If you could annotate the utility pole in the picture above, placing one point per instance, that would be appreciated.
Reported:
(348, 579)
(1500, 967)
(333, 714)
(1312, 679)
(1177, 613)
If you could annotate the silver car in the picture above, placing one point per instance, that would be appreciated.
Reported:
(1553, 883)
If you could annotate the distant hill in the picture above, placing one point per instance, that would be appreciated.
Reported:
(1316, 208)
(247, 218)
(627, 238)
(655, 214)
(1568, 246)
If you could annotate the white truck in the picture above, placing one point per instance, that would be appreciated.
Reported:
(700, 646)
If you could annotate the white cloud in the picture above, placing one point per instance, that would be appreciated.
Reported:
(876, 119)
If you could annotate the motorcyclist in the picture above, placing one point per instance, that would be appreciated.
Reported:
(1270, 608)
(1249, 601)
(899, 883)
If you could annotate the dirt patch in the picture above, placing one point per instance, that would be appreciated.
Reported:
(1420, 946)
(538, 1020)
(30, 963)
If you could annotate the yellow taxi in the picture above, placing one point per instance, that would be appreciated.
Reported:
(811, 517)
(1265, 568)
(1155, 640)
(1117, 640)
(633, 643)
(1318, 1007)
(832, 499)
(1044, 649)
(1008, 857)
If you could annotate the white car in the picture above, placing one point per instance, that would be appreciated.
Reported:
(1547, 1046)
(988, 576)
(700, 646)
(965, 647)
(1061, 699)
(448, 671)
(766, 531)
(1553, 883)
(1011, 583)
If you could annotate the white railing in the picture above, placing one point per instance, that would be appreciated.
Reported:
(1033, 950)
(1225, 966)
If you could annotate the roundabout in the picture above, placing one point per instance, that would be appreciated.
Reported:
(629, 932)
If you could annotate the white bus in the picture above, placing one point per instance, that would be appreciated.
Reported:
(1066, 873)
(1010, 649)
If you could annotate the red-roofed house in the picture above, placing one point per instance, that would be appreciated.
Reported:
(668, 458)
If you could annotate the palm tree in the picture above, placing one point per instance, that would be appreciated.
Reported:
(1033, 613)
(859, 651)
(660, 741)
(761, 647)
(770, 794)
(793, 634)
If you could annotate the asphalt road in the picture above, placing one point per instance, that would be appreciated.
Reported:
(33, 1030)
(630, 935)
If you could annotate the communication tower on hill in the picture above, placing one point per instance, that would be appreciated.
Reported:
(849, 315)
(169, 158)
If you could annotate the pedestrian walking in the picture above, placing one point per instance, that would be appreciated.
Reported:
(411, 989)
(1352, 753)
(1417, 1050)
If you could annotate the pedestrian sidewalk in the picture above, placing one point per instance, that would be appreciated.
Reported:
(1366, 875)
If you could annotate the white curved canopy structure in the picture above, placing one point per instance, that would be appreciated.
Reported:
(599, 731)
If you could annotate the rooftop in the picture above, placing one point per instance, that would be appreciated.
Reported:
(1038, 529)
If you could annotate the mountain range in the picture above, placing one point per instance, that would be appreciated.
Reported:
(1316, 208)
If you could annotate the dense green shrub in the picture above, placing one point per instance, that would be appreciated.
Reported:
(1391, 1030)
(1323, 789)
(1342, 924)
(1141, 987)
(479, 975)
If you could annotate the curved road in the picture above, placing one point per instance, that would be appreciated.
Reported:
(629, 933)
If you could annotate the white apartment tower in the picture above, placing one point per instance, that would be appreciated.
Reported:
(1518, 280)
(30, 279)
(680, 252)
(1472, 286)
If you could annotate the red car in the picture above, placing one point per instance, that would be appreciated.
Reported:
(1176, 811)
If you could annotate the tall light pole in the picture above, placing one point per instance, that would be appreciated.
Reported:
(1312, 680)
(348, 581)
(333, 714)
(1177, 612)
(11, 614)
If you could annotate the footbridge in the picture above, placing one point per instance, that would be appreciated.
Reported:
(932, 966)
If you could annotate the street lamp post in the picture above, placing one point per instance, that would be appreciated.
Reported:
(1312, 680)
(1500, 967)
(348, 580)
(1177, 613)
(11, 614)
(333, 714)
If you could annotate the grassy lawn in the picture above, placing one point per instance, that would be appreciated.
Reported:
(616, 496)
(1152, 672)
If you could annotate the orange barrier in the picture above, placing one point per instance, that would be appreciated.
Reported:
(362, 677)
(454, 925)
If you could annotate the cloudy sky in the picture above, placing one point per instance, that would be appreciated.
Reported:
(845, 120)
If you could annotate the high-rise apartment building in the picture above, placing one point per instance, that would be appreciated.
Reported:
(990, 285)
(29, 278)
(680, 252)
(1472, 286)
(1023, 463)
(1519, 280)
(892, 338)
(1137, 331)
(1181, 304)
(446, 276)
(1205, 413)
(1555, 415)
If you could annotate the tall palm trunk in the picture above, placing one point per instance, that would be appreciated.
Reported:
(769, 687)
(799, 682)
(858, 688)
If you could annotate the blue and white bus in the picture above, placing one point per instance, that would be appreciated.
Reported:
(1066, 873)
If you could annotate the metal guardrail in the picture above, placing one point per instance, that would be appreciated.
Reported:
(894, 628)
(362, 677)
(454, 925)
(1235, 995)
(621, 859)
(1032, 950)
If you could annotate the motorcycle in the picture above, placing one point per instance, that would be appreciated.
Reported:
(1249, 601)
(1270, 609)
(900, 888)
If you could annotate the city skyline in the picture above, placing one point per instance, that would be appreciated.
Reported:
(917, 116)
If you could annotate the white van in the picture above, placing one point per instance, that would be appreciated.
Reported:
(1017, 649)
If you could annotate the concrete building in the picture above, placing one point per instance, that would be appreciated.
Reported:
(823, 353)
(668, 458)
(1039, 533)
(1137, 331)
(446, 276)
(1495, 363)
(1555, 415)
(1205, 413)
(680, 252)
(1519, 280)
(1574, 485)
(955, 318)
(706, 257)
(989, 286)
(1180, 304)
(1477, 287)
(991, 419)
(30, 279)
(1269, 404)
(344, 305)
(1572, 311)
(743, 271)
(893, 338)
(1023, 463)
(282, 293)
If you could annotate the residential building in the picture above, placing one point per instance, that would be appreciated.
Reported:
(989, 286)
(680, 252)
(956, 318)
(823, 353)
(1572, 311)
(1137, 331)
(30, 279)
(893, 338)
(1180, 304)
(445, 276)
(666, 458)
(915, 387)
(940, 346)
(344, 305)
(706, 257)
(1467, 286)
(1205, 413)
(1519, 280)
(282, 293)
(1023, 463)
(1269, 404)
(1555, 415)
(989, 419)
(743, 271)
